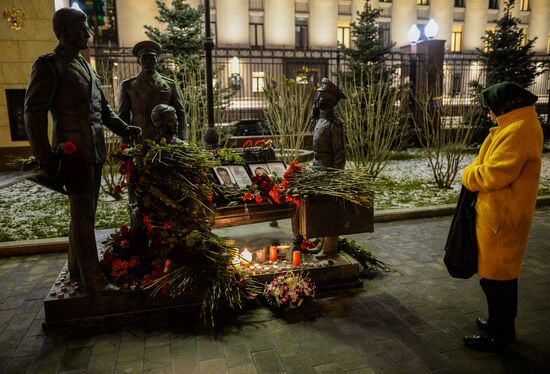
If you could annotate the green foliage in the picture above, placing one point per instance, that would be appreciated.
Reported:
(368, 47)
(508, 54)
(181, 34)
(365, 257)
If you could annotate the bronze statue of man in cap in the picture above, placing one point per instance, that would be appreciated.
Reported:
(65, 84)
(329, 145)
(143, 92)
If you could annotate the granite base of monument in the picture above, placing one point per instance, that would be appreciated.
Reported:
(65, 306)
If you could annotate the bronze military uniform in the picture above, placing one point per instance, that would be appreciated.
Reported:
(141, 93)
(66, 85)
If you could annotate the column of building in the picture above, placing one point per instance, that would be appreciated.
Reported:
(403, 16)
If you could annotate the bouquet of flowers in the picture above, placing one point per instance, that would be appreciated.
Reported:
(289, 290)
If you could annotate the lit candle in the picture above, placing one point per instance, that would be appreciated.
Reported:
(246, 256)
(260, 255)
(273, 253)
(296, 258)
(284, 250)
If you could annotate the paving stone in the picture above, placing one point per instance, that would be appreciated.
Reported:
(237, 355)
(76, 359)
(134, 366)
(29, 346)
(21, 321)
(267, 362)
(248, 369)
(329, 368)
(11, 338)
(213, 366)
(208, 348)
(18, 365)
(102, 363)
(158, 356)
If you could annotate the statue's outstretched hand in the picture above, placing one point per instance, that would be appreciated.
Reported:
(135, 132)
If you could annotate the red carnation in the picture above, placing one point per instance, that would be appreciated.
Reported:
(248, 196)
(259, 199)
(248, 143)
(259, 143)
(69, 147)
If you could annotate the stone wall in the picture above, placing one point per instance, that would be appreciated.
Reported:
(19, 49)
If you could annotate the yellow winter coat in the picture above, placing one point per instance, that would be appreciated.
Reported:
(506, 175)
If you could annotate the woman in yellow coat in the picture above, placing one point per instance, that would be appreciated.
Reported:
(506, 176)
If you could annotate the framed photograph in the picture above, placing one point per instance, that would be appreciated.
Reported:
(240, 175)
(278, 167)
(225, 177)
(258, 169)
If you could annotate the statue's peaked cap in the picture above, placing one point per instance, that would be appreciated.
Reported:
(327, 85)
(146, 47)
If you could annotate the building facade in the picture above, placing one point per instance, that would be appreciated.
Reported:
(317, 24)
(254, 39)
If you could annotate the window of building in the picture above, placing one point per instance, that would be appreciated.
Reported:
(423, 2)
(493, 4)
(256, 31)
(459, 3)
(101, 20)
(344, 38)
(256, 5)
(302, 35)
(258, 80)
(548, 47)
(385, 1)
(456, 41)
(384, 33)
(524, 39)
(524, 5)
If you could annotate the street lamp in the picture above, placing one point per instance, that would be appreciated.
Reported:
(235, 80)
(413, 35)
(431, 29)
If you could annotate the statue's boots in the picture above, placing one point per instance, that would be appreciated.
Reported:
(330, 248)
(318, 248)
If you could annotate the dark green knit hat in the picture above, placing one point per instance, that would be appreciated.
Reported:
(504, 97)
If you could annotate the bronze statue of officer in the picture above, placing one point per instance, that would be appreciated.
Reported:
(143, 92)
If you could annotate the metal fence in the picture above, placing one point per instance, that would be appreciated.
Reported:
(248, 71)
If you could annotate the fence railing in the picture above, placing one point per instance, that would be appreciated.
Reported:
(255, 68)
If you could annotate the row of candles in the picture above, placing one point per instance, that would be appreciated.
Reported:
(245, 257)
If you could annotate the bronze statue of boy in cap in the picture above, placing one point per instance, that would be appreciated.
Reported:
(329, 146)
(143, 92)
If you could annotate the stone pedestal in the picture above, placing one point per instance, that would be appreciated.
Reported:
(65, 309)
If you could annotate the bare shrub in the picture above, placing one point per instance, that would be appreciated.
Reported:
(372, 114)
(444, 130)
(288, 115)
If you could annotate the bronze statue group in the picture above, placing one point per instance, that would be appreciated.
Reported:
(505, 174)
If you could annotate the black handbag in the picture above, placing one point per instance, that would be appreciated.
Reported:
(461, 247)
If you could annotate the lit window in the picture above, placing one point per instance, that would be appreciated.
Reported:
(258, 81)
(548, 49)
(524, 5)
(423, 2)
(344, 36)
(523, 37)
(256, 33)
(456, 41)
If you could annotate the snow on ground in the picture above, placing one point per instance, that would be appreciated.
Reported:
(30, 211)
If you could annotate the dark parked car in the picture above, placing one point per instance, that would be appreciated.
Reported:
(249, 127)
